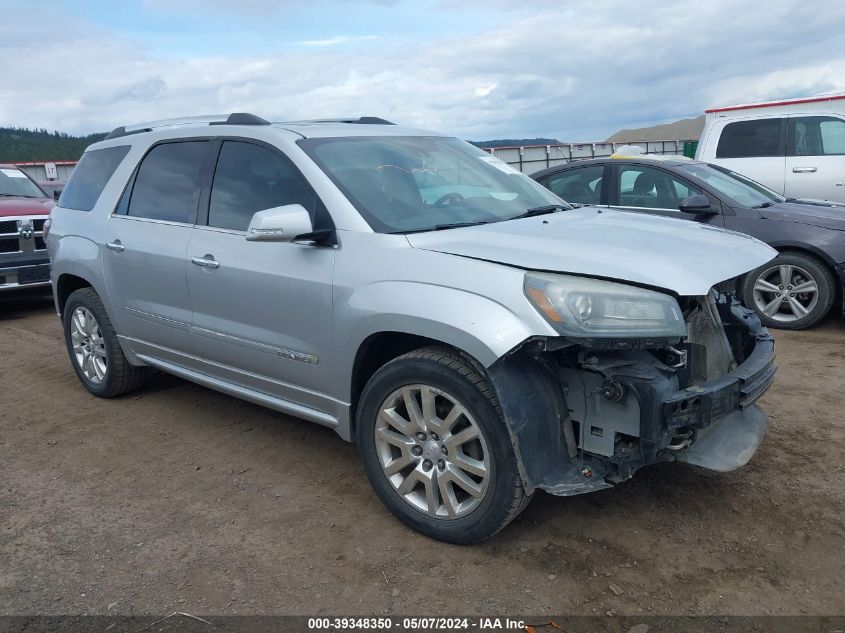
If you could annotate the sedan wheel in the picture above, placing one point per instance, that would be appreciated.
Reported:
(89, 348)
(786, 292)
(432, 451)
(794, 291)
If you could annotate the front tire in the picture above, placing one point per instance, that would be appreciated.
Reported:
(92, 346)
(435, 447)
(794, 291)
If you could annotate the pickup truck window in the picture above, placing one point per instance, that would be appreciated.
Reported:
(819, 136)
(405, 184)
(90, 176)
(251, 178)
(744, 139)
(168, 182)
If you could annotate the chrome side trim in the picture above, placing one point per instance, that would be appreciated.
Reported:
(157, 319)
(303, 357)
(257, 397)
(135, 218)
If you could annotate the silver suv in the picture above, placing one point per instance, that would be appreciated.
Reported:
(477, 337)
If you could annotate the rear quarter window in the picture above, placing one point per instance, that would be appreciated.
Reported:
(90, 177)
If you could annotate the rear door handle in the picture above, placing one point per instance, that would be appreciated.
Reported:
(205, 262)
(803, 170)
(115, 246)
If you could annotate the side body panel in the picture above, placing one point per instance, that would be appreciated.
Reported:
(265, 312)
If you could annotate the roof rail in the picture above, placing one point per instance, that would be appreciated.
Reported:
(236, 118)
(363, 120)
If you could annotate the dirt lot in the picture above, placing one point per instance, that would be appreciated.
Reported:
(182, 499)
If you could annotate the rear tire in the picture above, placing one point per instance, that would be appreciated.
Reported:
(770, 291)
(93, 348)
(436, 449)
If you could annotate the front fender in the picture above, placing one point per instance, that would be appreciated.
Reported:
(472, 323)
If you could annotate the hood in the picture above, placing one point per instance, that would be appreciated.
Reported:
(829, 216)
(683, 256)
(25, 206)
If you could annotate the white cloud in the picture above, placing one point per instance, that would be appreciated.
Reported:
(575, 70)
(337, 40)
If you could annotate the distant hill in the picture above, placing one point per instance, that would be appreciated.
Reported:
(19, 145)
(516, 142)
(683, 130)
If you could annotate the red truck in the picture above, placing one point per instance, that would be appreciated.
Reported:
(24, 207)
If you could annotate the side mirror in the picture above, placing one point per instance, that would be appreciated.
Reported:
(279, 224)
(697, 204)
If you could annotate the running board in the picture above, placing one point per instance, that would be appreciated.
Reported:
(244, 393)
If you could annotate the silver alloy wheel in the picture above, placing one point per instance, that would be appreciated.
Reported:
(89, 348)
(432, 451)
(785, 292)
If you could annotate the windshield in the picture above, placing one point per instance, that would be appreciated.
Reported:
(740, 189)
(402, 184)
(13, 182)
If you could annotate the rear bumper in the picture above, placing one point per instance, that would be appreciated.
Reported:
(19, 277)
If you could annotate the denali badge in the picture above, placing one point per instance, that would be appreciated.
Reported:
(26, 231)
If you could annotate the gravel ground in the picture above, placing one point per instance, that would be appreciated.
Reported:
(178, 498)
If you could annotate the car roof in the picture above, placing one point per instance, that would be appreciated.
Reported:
(635, 159)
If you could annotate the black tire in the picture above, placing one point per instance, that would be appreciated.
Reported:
(815, 268)
(120, 377)
(451, 372)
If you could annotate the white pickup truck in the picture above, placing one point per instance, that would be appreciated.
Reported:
(796, 147)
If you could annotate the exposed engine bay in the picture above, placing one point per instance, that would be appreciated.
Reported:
(607, 408)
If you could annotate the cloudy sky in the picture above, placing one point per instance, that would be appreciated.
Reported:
(575, 70)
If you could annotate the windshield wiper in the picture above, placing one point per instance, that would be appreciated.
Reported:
(763, 205)
(440, 227)
(456, 225)
(549, 208)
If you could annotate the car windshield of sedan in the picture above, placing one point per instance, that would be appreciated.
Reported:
(13, 182)
(403, 184)
(738, 188)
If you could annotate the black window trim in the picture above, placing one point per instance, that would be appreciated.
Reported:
(782, 137)
(130, 184)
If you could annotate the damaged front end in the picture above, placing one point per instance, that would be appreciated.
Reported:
(586, 414)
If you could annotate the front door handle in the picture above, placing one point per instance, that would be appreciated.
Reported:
(115, 246)
(803, 170)
(205, 262)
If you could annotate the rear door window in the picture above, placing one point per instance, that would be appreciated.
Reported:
(167, 184)
(90, 177)
(579, 186)
(819, 136)
(251, 178)
(745, 139)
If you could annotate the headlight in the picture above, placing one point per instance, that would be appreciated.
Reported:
(583, 307)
